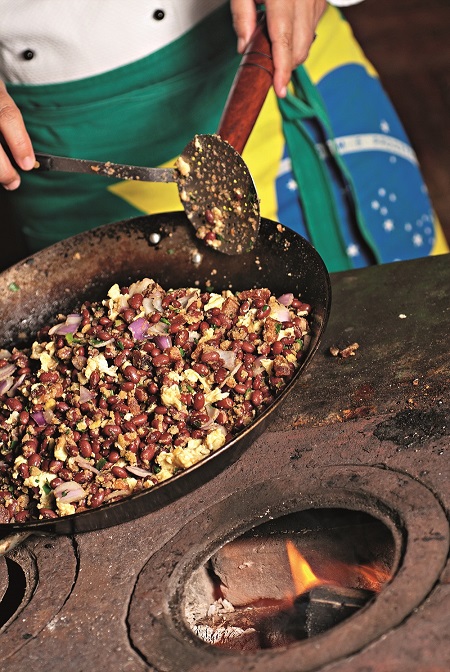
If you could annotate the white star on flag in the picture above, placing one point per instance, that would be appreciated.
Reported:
(353, 250)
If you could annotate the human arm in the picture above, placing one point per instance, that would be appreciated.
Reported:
(16, 139)
(291, 25)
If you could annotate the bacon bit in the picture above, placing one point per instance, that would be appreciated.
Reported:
(349, 351)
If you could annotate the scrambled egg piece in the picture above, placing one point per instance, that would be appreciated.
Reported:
(193, 452)
(215, 301)
(170, 396)
(41, 479)
(45, 355)
(99, 362)
(65, 508)
(60, 449)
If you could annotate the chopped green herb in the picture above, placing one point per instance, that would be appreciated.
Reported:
(170, 251)
(13, 287)
(165, 320)
(182, 352)
(46, 487)
(190, 389)
(156, 468)
(278, 327)
(120, 345)
(100, 463)
(70, 339)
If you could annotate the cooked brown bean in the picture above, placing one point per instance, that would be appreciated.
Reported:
(161, 360)
(131, 373)
(119, 472)
(97, 499)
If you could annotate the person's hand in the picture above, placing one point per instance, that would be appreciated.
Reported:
(291, 25)
(17, 140)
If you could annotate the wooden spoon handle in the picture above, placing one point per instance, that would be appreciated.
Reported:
(249, 89)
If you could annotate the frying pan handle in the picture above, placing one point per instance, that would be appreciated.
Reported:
(249, 89)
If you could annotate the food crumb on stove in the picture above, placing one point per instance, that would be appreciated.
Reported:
(348, 351)
(402, 316)
(76, 256)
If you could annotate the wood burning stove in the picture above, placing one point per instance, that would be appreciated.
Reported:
(363, 438)
(163, 631)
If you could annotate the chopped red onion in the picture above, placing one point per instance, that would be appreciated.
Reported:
(228, 357)
(17, 384)
(164, 341)
(70, 326)
(138, 471)
(158, 329)
(6, 371)
(6, 385)
(139, 328)
(280, 313)
(286, 299)
(232, 372)
(212, 414)
(147, 305)
(85, 394)
(39, 418)
(69, 491)
(257, 366)
(157, 302)
(48, 416)
(84, 464)
(117, 494)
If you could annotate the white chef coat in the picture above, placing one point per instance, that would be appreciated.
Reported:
(50, 41)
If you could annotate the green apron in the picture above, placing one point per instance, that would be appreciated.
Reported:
(143, 113)
(303, 103)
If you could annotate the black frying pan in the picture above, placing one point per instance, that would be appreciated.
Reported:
(162, 247)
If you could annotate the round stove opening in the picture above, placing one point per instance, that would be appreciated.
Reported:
(289, 579)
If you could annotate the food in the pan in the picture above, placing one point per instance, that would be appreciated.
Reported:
(129, 391)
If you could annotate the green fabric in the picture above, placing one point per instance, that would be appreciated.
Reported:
(313, 177)
(143, 113)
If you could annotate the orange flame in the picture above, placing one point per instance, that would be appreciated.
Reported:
(302, 575)
(373, 577)
(370, 577)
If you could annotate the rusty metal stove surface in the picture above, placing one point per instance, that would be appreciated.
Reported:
(385, 409)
